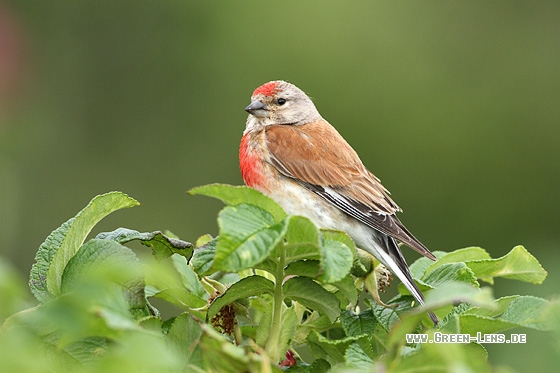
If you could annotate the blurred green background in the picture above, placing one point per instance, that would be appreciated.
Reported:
(454, 105)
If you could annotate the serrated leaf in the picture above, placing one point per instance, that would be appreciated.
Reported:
(140, 351)
(188, 277)
(347, 289)
(472, 324)
(318, 366)
(527, 311)
(64, 242)
(312, 295)
(356, 357)
(220, 355)
(501, 305)
(337, 235)
(288, 327)
(458, 272)
(450, 357)
(459, 292)
(103, 258)
(174, 280)
(184, 337)
(451, 272)
(246, 287)
(88, 350)
(419, 266)
(236, 195)
(203, 240)
(518, 264)
(162, 245)
(385, 316)
(337, 256)
(263, 328)
(333, 350)
(302, 239)
(100, 301)
(203, 258)
(308, 268)
(302, 230)
(268, 265)
(43, 258)
(247, 236)
(466, 254)
(355, 325)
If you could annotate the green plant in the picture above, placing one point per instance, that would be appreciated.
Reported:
(267, 287)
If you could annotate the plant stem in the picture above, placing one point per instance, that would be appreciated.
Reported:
(273, 344)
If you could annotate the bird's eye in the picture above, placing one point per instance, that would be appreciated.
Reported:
(281, 101)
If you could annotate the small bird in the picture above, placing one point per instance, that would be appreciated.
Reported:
(291, 154)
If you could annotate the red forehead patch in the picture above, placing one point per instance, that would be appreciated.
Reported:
(268, 89)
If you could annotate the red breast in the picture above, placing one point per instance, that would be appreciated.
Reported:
(251, 163)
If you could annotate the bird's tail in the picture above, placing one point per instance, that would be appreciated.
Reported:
(390, 255)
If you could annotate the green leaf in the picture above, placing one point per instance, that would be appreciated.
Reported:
(288, 327)
(203, 258)
(87, 351)
(459, 292)
(302, 230)
(356, 325)
(247, 236)
(220, 355)
(458, 272)
(184, 337)
(162, 245)
(61, 245)
(451, 272)
(43, 258)
(466, 254)
(356, 357)
(263, 328)
(318, 366)
(304, 242)
(333, 350)
(518, 264)
(514, 311)
(102, 258)
(385, 316)
(336, 235)
(174, 280)
(308, 268)
(420, 266)
(500, 305)
(97, 302)
(246, 287)
(338, 253)
(450, 357)
(312, 295)
(302, 239)
(236, 195)
(189, 279)
(140, 351)
(347, 290)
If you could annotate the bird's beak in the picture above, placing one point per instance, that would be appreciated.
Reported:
(257, 108)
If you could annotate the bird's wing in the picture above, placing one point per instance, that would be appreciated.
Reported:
(318, 158)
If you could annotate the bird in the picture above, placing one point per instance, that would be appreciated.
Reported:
(291, 154)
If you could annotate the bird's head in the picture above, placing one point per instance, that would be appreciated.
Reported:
(279, 102)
